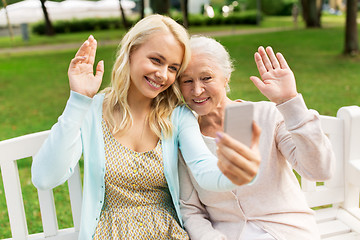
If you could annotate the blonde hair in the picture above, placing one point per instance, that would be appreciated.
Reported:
(116, 108)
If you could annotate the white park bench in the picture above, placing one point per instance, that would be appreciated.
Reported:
(336, 201)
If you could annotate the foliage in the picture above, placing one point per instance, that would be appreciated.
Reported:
(80, 25)
(247, 17)
(274, 7)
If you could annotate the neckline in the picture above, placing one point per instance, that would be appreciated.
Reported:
(125, 147)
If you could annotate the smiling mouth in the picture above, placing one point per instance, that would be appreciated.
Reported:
(153, 84)
(202, 100)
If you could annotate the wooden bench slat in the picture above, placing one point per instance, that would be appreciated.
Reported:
(349, 220)
(324, 196)
(332, 228)
(21, 147)
(346, 236)
(75, 192)
(14, 199)
(326, 214)
(48, 212)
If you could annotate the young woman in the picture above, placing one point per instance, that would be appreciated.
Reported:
(129, 136)
(273, 206)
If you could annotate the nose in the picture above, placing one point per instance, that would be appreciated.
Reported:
(161, 73)
(198, 88)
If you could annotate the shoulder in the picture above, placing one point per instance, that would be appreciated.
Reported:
(182, 111)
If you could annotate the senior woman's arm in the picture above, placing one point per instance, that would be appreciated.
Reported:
(299, 136)
(194, 215)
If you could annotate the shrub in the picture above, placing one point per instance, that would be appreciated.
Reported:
(93, 24)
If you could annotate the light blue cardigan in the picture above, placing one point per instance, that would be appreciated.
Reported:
(78, 131)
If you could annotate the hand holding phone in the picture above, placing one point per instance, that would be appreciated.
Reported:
(238, 121)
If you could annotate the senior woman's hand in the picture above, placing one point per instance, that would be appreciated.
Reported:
(237, 161)
(277, 81)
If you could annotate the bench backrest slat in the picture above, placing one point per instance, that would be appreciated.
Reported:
(48, 212)
(14, 199)
(331, 191)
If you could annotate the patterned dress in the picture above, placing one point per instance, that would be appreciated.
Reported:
(137, 202)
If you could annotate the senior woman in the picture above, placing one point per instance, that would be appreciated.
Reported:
(273, 206)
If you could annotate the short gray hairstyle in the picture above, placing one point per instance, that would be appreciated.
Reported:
(215, 51)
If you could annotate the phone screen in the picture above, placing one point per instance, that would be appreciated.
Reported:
(238, 121)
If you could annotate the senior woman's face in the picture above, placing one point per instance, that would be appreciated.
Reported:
(203, 85)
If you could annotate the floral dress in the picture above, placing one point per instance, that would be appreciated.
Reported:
(138, 203)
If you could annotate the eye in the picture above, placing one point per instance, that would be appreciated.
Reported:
(186, 80)
(207, 78)
(174, 69)
(156, 60)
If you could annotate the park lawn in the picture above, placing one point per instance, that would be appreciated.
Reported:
(34, 90)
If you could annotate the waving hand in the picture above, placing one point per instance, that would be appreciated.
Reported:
(277, 81)
(81, 74)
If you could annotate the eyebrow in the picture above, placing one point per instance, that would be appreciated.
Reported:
(164, 59)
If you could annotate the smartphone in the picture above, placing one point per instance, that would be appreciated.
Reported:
(238, 121)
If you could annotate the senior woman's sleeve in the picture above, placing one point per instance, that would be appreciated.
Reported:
(202, 163)
(58, 156)
(301, 140)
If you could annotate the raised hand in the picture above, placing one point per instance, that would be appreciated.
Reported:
(81, 73)
(277, 81)
(237, 161)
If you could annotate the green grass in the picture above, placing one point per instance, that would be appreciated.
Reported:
(34, 89)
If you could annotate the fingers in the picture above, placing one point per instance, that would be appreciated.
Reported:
(92, 52)
(258, 83)
(88, 50)
(76, 60)
(83, 49)
(236, 175)
(283, 63)
(99, 71)
(256, 135)
(266, 60)
(232, 149)
(274, 61)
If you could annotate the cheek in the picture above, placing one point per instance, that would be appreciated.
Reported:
(185, 91)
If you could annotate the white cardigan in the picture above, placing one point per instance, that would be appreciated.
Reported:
(291, 137)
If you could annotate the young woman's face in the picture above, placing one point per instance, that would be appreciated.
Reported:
(154, 65)
(203, 85)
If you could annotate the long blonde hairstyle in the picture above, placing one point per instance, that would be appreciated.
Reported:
(116, 108)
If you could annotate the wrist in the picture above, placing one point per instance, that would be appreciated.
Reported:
(286, 99)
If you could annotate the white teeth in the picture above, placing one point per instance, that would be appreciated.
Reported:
(200, 101)
(154, 84)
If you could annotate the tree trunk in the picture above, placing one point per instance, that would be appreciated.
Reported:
(311, 13)
(49, 27)
(123, 17)
(142, 9)
(11, 33)
(351, 31)
(160, 6)
(184, 9)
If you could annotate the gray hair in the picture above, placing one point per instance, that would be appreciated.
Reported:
(214, 51)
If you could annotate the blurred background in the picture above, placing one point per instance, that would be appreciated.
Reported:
(38, 38)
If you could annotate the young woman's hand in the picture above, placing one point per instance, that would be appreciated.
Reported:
(277, 81)
(81, 70)
(237, 161)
